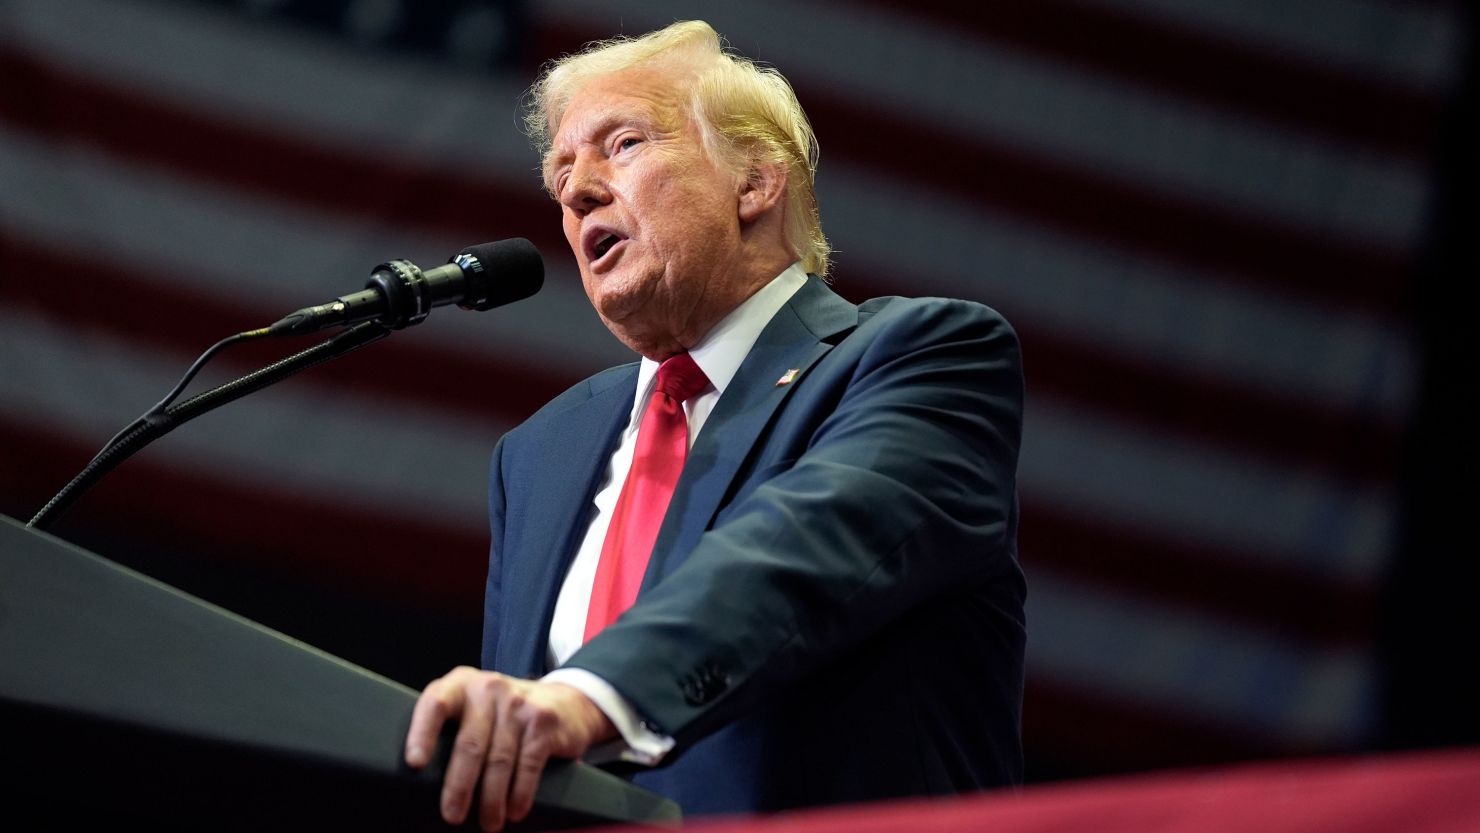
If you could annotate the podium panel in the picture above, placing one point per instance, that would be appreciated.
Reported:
(125, 699)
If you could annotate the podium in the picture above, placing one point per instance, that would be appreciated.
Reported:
(123, 700)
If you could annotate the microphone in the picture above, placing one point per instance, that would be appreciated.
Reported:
(399, 294)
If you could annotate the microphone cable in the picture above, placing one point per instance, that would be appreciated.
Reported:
(165, 417)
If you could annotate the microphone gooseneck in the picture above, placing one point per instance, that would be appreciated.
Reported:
(398, 295)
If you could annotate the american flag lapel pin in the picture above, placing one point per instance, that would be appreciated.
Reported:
(788, 376)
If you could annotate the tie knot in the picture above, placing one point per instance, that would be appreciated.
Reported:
(680, 378)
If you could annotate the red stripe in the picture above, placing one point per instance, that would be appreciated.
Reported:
(158, 132)
(1173, 571)
(1207, 577)
(1183, 233)
(1249, 80)
(332, 541)
(1181, 403)
(212, 510)
(1204, 407)
(1081, 374)
(404, 560)
(183, 322)
(1178, 231)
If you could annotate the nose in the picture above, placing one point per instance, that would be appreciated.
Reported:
(586, 186)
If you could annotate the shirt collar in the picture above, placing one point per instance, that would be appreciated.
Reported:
(721, 350)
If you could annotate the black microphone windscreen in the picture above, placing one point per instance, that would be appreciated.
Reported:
(512, 268)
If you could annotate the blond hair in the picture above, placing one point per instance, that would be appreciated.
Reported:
(748, 115)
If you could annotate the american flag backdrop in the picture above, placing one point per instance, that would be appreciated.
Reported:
(1202, 216)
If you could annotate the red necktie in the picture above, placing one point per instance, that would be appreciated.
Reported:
(662, 445)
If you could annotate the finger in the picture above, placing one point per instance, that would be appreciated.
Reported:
(502, 755)
(534, 753)
(439, 702)
(469, 748)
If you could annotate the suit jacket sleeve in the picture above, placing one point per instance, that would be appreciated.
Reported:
(492, 595)
(888, 480)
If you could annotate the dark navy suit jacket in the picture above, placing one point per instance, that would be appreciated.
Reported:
(833, 611)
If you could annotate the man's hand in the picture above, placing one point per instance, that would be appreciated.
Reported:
(509, 729)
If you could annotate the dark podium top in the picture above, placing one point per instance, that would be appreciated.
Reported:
(123, 699)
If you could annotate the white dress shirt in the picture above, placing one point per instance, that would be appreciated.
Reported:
(719, 355)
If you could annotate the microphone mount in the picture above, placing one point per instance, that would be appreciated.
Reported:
(400, 294)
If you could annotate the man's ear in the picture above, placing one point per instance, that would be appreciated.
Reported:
(762, 191)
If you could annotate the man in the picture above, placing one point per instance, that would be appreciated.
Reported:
(830, 609)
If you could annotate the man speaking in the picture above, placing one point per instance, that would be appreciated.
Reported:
(773, 562)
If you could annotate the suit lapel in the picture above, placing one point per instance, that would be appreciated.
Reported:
(794, 340)
(574, 451)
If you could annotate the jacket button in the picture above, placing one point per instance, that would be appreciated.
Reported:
(693, 694)
(704, 685)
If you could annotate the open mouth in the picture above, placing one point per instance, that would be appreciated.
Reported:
(599, 242)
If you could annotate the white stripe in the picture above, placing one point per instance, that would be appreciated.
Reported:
(92, 385)
(1093, 465)
(329, 94)
(277, 255)
(84, 199)
(1181, 662)
(298, 437)
(1191, 321)
(1052, 278)
(977, 89)
(1086, 463)
(326, 92)
(291, 256)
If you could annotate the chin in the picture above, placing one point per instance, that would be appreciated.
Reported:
(615, 308)
(617, 297)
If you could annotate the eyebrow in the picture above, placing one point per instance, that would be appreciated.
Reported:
(605, 125)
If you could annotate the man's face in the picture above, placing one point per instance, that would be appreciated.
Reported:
(652, 220)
